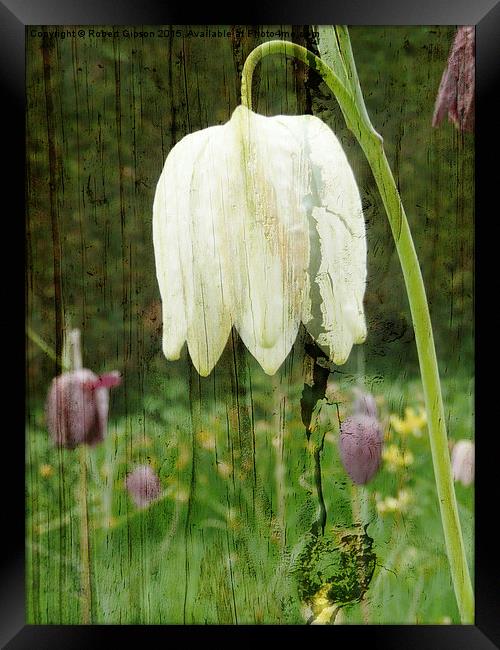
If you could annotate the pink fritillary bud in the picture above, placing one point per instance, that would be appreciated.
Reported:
(456, 90)
(77, 407)
(462, 462)
(143, 486)
(108, 380)
(364, 403)
(360, 446)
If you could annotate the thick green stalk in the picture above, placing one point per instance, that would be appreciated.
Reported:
(349, 96)
(430, 381)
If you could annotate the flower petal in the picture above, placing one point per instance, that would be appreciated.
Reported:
(206, 259)
(101, 399)
(236, 212)
(171, 204)
(360, 446)
(337, 240)
(187, 232)
(270, 235)
(71, 413)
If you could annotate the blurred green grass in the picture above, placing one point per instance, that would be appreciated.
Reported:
(238, 568)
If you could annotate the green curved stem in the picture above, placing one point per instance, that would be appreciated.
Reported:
(349, 96)
(45, 347)
(343, 95)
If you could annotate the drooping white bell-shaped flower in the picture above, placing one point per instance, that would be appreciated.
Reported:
(258, 224)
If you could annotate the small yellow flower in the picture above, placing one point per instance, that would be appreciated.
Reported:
(233, 520)
(394, 504)
(391, 504)
(404, 498)
(411, 423)
(46, 471)
(184, 457)
(331, 438)
(110, 522)
(182, 495)
(176, 491)
(206, 439)
(396, 459)
(106, 470)
(322, 607)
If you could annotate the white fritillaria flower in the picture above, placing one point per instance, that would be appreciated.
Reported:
(258, 224)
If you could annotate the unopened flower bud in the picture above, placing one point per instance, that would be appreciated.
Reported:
(360, 447)
(77, 407)
(457, 87)
(462, 462)
(143, 486)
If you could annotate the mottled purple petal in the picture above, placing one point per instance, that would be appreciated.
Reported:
(109, 380)
(360, 447)
(456, 94)
(76, 411)
(143, 486)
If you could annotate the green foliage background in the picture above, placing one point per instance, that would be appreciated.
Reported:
(116, 107)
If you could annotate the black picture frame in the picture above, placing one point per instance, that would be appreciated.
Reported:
(485, 14)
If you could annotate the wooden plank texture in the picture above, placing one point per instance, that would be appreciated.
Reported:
(239, 497)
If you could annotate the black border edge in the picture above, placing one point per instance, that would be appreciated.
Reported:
(357, 12)
(487, 580)
(486, 16)
(12, 561)
(386, 637)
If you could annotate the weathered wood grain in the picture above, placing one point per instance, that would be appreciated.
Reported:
(239, 495)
